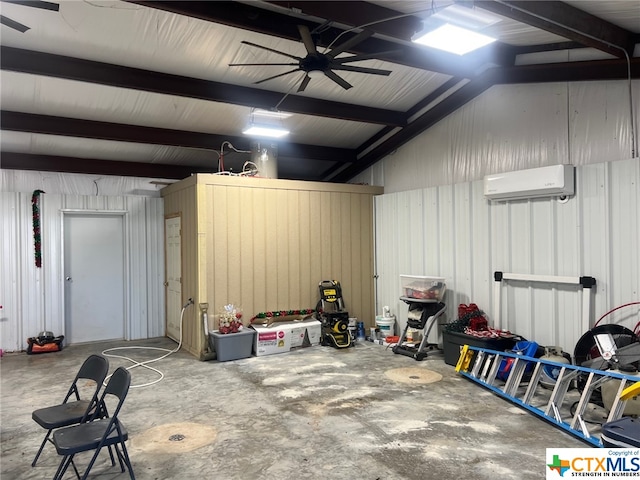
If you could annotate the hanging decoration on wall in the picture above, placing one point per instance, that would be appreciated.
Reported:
(37, 238)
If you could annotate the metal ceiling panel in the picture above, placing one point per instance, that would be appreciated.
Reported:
(41, 144)
(148, 71)
(624, 13)
(160, 41)
(67, 98)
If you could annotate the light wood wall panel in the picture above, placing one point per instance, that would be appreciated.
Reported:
(266, 244)
(183, 202)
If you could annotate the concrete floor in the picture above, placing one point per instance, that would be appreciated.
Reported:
(316, 413)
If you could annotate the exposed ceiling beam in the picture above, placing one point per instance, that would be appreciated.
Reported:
(566, 21)
(442, 89)
(7, 22)
(74, 127)
(59, 66)
(454, 101)
(287, 167)
(569, 71)
(354, 13)
(52, 163)
(547, 47)
(554, 72)
(254, 18)
(52, 6)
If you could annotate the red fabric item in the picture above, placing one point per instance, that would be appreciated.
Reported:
(464, 309)
(478, 323)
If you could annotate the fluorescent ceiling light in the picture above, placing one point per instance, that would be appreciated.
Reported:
(265, 131)
(270, 113)
(454, 39)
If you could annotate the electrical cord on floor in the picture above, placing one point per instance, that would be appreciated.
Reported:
(146, 363)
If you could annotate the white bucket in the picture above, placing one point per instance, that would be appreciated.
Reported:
(386, 325)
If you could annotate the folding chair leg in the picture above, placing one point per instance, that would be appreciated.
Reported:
(93, 460)
(75, 469)
(119, 455)
(127, 461)
(44, 442)
(113, 460)
(62, 468)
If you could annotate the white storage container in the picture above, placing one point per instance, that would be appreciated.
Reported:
(422, 288)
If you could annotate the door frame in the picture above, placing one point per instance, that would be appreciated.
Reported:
(165, 281)
(125, 267)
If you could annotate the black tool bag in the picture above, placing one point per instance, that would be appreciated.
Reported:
(45, 342)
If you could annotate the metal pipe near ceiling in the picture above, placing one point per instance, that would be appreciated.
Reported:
(634, 138)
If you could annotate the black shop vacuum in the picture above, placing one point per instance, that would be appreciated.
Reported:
(335, 320)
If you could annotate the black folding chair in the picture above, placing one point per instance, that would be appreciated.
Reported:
(73, 408)
(98, 433)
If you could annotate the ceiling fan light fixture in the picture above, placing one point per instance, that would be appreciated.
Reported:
(270, 131)
(453, 39)
(315, 73)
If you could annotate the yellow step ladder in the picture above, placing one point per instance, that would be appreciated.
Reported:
(482, 366)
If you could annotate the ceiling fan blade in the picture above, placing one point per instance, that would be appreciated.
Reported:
(36, 4)
(352, 42)
(307, 39)
(262, 64)
(305, 82)
(339, 80)
(13, 24)
(353, 68)
(270, 50)
(366, 56)
(276, 76)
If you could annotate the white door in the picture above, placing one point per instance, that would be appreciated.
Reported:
(94, 277)
(174, 276)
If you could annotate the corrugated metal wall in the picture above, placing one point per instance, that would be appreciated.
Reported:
(513, 127)
(454, 232)
(33, 298)
(266, 244)
(21, 283)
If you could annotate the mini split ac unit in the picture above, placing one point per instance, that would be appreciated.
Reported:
(553, 181)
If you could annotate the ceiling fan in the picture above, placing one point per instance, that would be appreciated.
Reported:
(26, 3)
(316, 63)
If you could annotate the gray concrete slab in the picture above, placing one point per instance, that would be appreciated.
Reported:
(315, 413)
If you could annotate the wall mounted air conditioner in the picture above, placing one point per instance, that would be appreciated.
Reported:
(552, 181)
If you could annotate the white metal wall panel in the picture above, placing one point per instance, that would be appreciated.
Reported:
(52, 261)
(599, 126)
(33, 298)
(466, 238)
(10, 287)
(78, 184)
(513, 127)
(625, 222)
(22, 285)
(154, 249)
